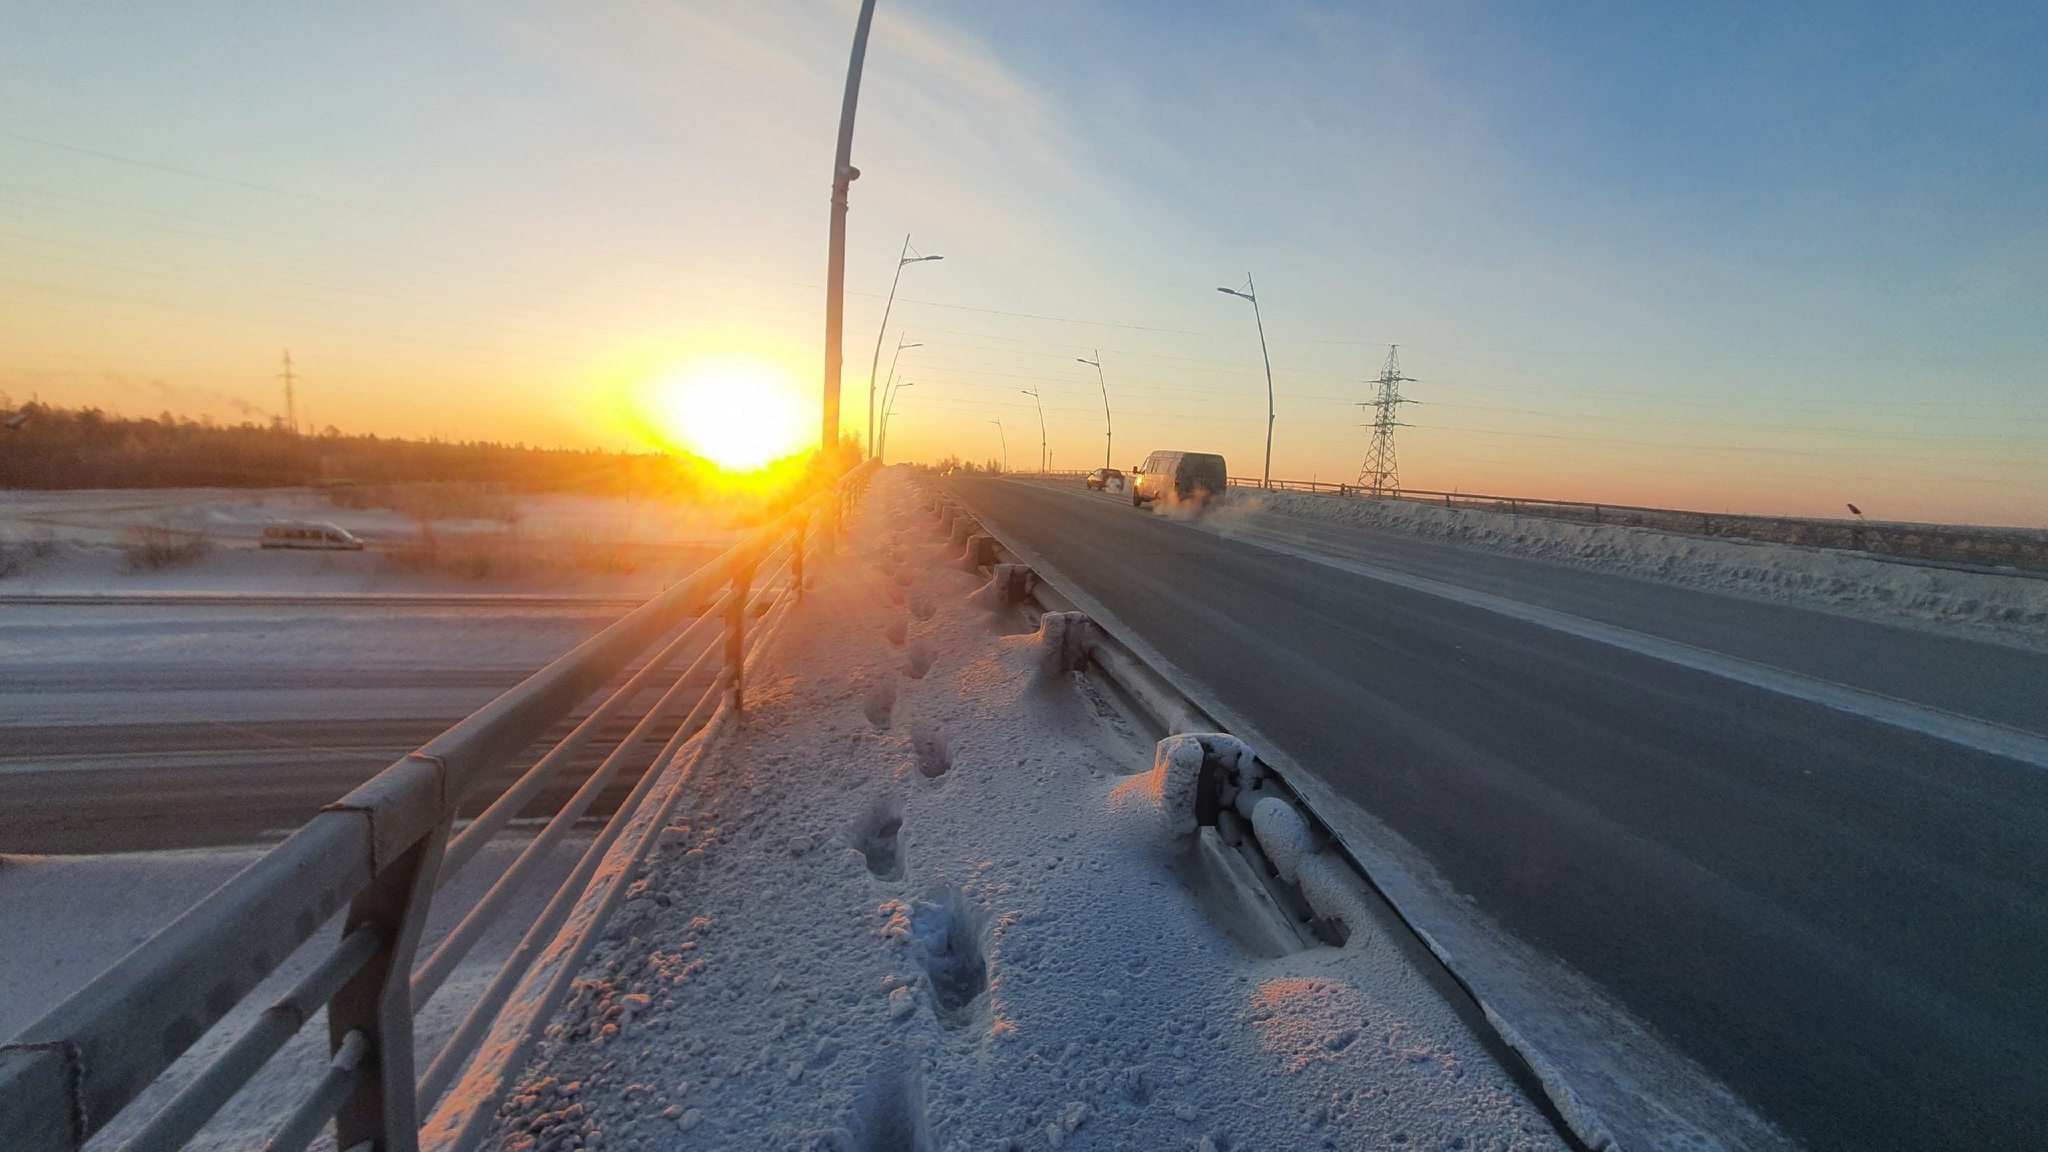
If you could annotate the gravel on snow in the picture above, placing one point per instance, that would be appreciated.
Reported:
(906, 905)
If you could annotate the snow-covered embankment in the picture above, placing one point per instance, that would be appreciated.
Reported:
(925, 896)
(2010, 608)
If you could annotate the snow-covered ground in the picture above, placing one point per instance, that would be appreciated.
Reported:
(923, 898)
(132, 895)
(71, 542)
(2011, 608)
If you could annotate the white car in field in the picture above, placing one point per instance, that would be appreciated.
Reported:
(321, 537)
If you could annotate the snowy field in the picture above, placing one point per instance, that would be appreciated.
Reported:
(73, 542)
(2012, 609)
(925, 897)
(133, 895)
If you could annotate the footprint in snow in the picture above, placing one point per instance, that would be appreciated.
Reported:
(948, 939)
(918, 660)
(877, 836)
(934, 752)
(880, 704)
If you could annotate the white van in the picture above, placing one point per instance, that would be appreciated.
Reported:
(1197, 477)
(323, 537)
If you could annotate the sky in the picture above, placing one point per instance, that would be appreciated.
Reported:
(1767, 258)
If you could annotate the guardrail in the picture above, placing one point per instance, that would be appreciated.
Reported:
(381, 852)
(2023, 551)
(1169, 710)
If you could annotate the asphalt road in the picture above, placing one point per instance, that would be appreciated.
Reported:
(140, 726)
(1843, 920)
(142, 787)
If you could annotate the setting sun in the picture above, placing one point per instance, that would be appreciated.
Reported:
(740, 413)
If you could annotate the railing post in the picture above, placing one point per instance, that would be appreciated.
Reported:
(377, 1002)
(796, 556)
(735, 637)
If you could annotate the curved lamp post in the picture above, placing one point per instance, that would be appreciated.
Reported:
(888, 407)
(902, 258)
(1006, 443)
(1251, 293)
(902, 342)
(1108, 433)
(1033, 393)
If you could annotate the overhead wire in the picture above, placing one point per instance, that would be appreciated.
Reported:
(935, 369)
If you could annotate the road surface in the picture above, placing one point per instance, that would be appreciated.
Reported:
(1838, 915)
(138, 725)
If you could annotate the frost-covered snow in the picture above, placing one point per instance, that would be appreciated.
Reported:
(50, 950)
(71, 917)
(2014, 608)
(925, 896)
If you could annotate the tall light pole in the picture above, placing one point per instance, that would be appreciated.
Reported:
(1006, 443)
(1251, 293)
(1033, 393)
(890, 379)
(882, 449)
(902, 258)
(843, 175)
(1108, 433)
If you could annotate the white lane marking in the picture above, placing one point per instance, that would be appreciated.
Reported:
(1982, 735)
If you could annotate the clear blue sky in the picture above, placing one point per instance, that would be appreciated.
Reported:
(1770, 257)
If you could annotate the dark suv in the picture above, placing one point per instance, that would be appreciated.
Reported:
(1175, 476)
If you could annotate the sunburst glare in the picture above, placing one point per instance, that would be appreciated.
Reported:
(739, 412)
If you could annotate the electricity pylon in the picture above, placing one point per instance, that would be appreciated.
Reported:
(1381, 473)
(291, 406)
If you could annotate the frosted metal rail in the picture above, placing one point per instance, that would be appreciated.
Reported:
(381, 852)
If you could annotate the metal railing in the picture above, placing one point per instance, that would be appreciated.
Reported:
(1167, 707)
(381, 852)
(2022, 551)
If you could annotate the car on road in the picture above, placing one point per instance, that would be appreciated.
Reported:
(320, 537)
(1100, 478)
(1176, 477)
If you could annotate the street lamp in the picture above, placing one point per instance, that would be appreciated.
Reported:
(902, 258)
(1033, 393)
(843, 176)
(882, 449)
(1006, 443)
(890, 379)
(1251, 293)
(1108, 433)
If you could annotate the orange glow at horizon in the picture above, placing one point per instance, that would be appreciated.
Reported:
(740, 411)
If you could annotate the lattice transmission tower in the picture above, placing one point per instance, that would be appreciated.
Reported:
(1381, 473)
(291, 402)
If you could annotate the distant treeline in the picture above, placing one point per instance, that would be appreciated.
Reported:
(47, 447)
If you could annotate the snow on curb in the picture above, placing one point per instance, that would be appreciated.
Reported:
(916, 900)
(2014, 608)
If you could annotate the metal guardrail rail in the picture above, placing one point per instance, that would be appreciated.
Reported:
(381, 852)
(2015, 551)
(1169, 709)
(1962, 547)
